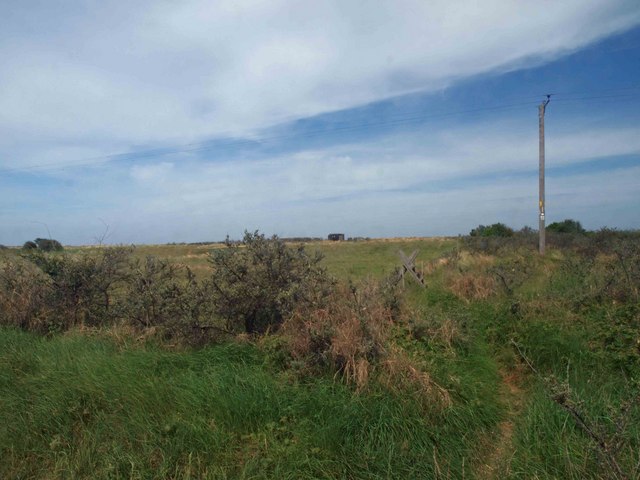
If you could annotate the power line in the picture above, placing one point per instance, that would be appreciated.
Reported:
(599, 97)
(206, 146)
(209, 145)
(599, 90)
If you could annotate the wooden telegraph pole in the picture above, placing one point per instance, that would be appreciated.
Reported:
(541, 110)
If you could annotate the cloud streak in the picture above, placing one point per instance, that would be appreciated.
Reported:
(165, 72)
(383, 187)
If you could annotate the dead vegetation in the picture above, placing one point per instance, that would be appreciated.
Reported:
(257, 289)
(348, 334)
(469, 286)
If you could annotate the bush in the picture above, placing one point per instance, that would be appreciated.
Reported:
(347, 335)
(165, 296)
(495, 230)
(48, 245)
(45, 293)
(24, 291)
(566, 226)
(29, 245)
(43, 245)
(257, 283)
(82, 286)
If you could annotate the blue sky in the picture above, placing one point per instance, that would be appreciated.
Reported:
(187, 122)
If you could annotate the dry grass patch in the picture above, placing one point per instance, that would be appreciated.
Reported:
(470, 286)
(401, 370)
(347, 334)
(470, 261)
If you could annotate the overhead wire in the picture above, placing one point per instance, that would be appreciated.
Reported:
(215, 144)
(218, 144)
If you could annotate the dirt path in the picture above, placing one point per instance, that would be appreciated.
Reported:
(496, 464)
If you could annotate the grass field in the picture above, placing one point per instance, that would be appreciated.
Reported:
(501, 334)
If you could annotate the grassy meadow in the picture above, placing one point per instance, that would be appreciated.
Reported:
(507, 365)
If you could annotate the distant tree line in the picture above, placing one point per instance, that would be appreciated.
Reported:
(501, 230)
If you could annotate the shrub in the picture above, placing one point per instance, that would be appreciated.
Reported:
(43, 245)
(44, 293)
(151, 291)
(167, 297)
(257, 283)
(566, 226)
(495, 230)
(48, 245)
(79, 288)
(29, 245)
(82, 285)
(24, 291)
(347, 335)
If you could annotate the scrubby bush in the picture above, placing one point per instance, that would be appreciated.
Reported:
(24, 291)
(566, 226)
(82, 286)
(256, 284)
(167, 297)
(45, 293)
(151, 291)
(43, 245)
(495, 230)
(48, 245)
(601, 272)
(347, 334)
(29, 245)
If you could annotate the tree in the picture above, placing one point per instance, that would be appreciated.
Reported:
(29, 245)
(48, 245)
(566, 226)
(495, 230)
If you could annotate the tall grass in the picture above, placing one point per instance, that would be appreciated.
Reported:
(84, 407)
(80, 406)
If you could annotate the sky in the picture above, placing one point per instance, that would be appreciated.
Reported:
(161, 121)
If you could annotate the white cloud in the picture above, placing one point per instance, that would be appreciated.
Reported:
(155, 173)
(126, 74)
(385, 187)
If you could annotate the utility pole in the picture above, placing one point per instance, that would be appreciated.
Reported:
(541, 110)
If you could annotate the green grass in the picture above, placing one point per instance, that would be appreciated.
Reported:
(81, 407)
(345, 260)
(356, 260)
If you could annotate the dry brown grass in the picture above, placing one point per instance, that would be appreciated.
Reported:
(471, 261)
(472, 286)
(348, 333)
(23, 296)
(352, 335)
(400, 370)
(448, 333)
